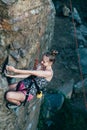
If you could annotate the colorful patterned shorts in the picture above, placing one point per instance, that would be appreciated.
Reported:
(22, 88)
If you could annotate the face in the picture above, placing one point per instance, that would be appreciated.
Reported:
(45, 61)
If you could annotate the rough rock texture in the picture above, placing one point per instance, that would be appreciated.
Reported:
(26, 31)
(24, 26)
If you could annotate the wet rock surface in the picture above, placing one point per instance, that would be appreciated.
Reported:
(53, 102)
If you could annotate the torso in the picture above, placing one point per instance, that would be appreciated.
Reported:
(42, 82)
(50, 77)
(40, 67)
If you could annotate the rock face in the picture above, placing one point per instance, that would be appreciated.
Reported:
(24, 25)
(83, 61)
(26, 31)
(67, 89)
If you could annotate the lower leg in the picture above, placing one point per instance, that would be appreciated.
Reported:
(14, 101)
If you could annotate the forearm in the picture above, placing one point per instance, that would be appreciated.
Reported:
(25, 72)
(18, 76)
(39, 73)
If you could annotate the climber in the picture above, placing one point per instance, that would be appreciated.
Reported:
(33, 80)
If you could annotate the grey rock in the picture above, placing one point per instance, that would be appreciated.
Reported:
(3, 83)
(73, 67)
(58, 8)
(52, 103)
(15, 28)
(83, 30)
(78, 88)
(14, 20)
(8, 2)
(2, 42)
(67, 88)
(23, 63)
(22, 52)
(82, 52)
(34, 11)
(15, 55)
(16, 45)
(66, 11)
(49, 123)
(80, 36)
(29, 126)
(1, 54)
(76, 17)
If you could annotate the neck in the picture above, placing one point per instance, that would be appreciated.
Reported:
(48, 67)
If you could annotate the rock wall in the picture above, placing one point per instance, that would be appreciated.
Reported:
(26, 31)
(24, 25)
